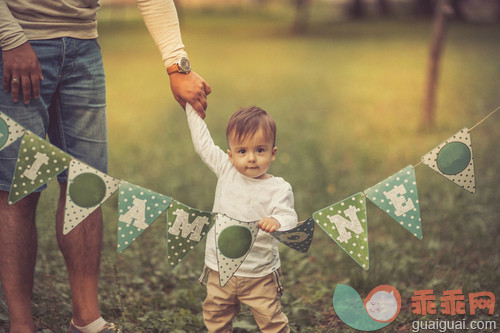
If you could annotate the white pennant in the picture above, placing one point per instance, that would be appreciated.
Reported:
(234, 240)
(10, 131)
(453, 160)
(87, 189)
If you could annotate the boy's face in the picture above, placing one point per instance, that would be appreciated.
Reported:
(253, 155)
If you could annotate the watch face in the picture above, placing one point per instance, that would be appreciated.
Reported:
(184, 65)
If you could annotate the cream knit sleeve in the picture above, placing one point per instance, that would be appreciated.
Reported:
(160, 17)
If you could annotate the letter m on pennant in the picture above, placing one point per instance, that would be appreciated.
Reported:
(181, 225)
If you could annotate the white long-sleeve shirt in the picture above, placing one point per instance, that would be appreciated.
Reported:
(245, 199)
(23, 20)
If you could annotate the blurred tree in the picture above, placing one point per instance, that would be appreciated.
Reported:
(301, 21)
(384, 8)
(356, 9)
(424, 8)
(442, 10)
(457, 9)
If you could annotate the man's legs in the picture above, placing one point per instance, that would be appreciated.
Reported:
(18, 241)
(81, 249)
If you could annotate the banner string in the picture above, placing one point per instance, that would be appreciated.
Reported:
(470, 130)
(489, 115)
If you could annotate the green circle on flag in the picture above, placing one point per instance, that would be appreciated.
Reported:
(453, 158)
(4, 132)
(87, 190)
(235, 241)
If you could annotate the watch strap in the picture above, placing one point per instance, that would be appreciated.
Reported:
(173, 69)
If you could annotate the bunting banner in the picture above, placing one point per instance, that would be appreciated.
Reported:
(138, 208)
(38, 162)
(453, 159)
(234, 241)
(398, 197)
(87, 189)
(345, 222)
(186, 227)
(298, 238)
(10, 131)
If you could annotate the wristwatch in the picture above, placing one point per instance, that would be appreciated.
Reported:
(182, 66)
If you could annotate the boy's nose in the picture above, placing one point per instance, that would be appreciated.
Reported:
(251, 157)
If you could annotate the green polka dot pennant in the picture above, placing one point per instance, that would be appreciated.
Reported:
(234, 241)
(398, 197)
(453, 160)
(10, 131)
(87, 189)
(346, 223)
(138, 208)
(38, 162)
(298, 238)
(186, 227)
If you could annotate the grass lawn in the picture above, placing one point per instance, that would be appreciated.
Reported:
(347, 99)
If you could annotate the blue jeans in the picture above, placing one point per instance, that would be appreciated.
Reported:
(71, 109)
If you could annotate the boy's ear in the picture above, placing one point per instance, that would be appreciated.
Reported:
(275, 149)
(230, 155)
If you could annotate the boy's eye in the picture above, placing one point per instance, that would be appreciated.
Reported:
(242, 151)
(260, 150)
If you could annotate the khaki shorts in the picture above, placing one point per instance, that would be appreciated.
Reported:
(262, 295)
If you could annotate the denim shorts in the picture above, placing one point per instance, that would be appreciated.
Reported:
(71, 110)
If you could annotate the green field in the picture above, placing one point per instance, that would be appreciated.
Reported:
(347, 98)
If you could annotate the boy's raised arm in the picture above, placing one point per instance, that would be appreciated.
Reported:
(211, 154)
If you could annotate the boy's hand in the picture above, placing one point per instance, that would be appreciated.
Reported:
(269, 224)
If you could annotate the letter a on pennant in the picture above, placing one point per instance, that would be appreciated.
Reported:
(453, 160)
(138, 208)
(38, 162)
(398, 197)
(186, 227)
(346, 223)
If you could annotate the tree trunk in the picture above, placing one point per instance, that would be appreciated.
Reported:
(424, 8)
(356, 9)
(436, 47)
(384, 8)
(301, 16)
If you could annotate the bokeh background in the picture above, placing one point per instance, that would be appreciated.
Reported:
(346, 82)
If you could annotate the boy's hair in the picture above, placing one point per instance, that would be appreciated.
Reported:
(247, 121)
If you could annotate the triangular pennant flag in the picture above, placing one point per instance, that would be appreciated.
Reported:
(453, 159)
(234, 241)
(138, 208)
(10, 131)
(38, 162)
(87, 189)
(186, 227)
(298, 238)
(398, 197)
(345, 222)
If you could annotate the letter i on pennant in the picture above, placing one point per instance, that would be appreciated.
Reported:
(38, 162)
